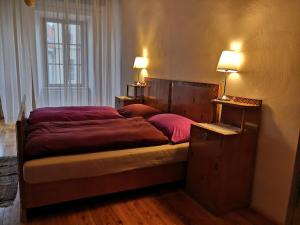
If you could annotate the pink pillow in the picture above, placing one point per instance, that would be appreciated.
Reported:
(136, 110)
(175, 127)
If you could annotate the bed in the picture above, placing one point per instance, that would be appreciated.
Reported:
(42, 181)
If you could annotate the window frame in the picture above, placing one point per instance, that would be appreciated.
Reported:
(66, 82)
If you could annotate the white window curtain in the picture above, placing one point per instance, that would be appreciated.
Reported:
(58, 53)
(17, 56)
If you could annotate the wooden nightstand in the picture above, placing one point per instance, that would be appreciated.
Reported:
(222, 155)
(138, 90)
(121, 101)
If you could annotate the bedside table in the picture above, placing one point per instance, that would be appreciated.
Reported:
(138, 90)
(221, 157)
(121, 101)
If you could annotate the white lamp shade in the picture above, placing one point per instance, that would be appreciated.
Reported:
(140, 63)
(229, 61)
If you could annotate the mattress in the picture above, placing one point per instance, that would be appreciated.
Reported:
(68, 167)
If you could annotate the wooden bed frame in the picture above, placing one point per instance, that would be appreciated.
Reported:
(190, 99)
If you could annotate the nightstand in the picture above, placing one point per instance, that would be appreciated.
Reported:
(121, 101)
(138, 90)
(221, 156)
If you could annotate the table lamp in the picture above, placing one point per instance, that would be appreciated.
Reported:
(228, 63)
(140, 63)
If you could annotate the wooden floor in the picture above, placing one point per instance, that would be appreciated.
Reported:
(155, 206)
(7, 140)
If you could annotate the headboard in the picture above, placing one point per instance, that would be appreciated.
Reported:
(157, 93)
(190, 99)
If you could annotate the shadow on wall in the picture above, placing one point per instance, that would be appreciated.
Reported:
(275, 148)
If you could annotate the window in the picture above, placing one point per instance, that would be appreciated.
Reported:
(64, 53)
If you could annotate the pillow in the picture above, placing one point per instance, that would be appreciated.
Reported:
(175, 127)
(135, 110)
(76, 113)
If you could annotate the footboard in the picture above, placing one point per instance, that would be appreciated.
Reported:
(20, 138)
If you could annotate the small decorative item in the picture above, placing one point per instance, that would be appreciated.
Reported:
(228, 63)
(140, 63)
(30, 3)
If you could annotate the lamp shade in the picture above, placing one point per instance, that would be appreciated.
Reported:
(229, 61)
(140, 63)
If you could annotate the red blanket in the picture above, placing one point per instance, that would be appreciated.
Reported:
(73, 113)
(61, 138)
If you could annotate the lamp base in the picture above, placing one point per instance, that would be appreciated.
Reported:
(139, 83)
(224, 98)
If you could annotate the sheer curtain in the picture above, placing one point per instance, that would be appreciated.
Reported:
(68, 53)
(17, 56)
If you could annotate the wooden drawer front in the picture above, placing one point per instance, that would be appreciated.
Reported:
(207, 142)
(133, 101)
(118, 103)
(203, 172)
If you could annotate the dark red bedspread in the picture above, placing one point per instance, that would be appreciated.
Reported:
(61, 138)
(73, 113)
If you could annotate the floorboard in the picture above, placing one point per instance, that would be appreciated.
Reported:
(166, 205)
(7, 139)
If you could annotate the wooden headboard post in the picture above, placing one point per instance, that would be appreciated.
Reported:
(190, 99)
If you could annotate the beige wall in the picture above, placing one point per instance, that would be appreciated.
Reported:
(184, 40)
